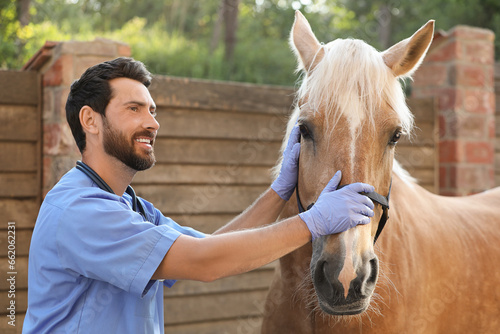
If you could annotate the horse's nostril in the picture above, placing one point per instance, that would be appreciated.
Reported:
(322, 279)
(329, 290)
(373, 271)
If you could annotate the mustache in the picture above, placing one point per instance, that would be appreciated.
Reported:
(145, 133)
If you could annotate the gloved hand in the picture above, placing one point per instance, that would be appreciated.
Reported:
(339, 210)
(285, 183)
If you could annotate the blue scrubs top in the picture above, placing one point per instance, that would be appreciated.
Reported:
(91, 261)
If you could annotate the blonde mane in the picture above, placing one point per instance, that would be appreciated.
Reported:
(352, 80)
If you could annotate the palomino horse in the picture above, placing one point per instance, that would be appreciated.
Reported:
(438, 257)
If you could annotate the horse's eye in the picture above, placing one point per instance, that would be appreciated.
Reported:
(397, 136)
(304, 131)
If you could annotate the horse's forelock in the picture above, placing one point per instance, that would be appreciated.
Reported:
(351, 78)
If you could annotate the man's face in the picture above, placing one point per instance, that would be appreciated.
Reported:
(130, 126)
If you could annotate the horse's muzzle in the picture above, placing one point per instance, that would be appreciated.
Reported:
(330, 291)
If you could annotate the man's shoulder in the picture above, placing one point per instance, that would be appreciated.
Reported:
(73, 186)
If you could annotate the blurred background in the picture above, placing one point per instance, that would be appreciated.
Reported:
(236, 40)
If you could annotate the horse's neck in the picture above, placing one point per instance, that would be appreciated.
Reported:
(424, 227)
(417, 212)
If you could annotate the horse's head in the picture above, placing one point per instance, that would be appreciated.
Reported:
(351, 110)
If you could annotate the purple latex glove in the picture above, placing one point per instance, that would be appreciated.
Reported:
(339, 210)
(285, 183)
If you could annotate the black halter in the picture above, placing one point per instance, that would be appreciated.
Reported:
(374, 196)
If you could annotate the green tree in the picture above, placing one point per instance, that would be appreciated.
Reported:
(182, 37)
(387, 22)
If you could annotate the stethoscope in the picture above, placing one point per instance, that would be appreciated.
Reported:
(136, 204)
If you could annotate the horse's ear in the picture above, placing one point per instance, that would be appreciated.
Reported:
(307, 48)
(404, 57)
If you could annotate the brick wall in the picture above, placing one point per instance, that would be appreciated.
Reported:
(60, 64)
(458, 71)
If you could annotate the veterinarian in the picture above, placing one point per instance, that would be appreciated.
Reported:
(100, 256)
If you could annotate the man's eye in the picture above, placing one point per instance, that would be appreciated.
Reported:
(134, 108)
(154, 113)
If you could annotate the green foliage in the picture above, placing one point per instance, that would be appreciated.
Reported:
(407, 16)
(8, 29)
(478, 13)
(176, 37)
(164, 52)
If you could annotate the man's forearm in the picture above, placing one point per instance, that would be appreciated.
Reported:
(265, 210)
(232, 253)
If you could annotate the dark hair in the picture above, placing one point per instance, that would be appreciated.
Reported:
(93, 90)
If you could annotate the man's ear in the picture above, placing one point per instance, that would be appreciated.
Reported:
(89, 120)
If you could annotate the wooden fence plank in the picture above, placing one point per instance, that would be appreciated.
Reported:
(19, 185)
(423, 109)
(253, 280)
(423, 176)
(18, 157)
(5, 328)
(21, 267)
(416, 157)
(217, 124)
(188, 309)
(23, 239)
(22, 212)
(424, 134)
(204, 94)
(207, 223)
(19, 87)
(221, 152)
(19, 122)
(204, 174)
(21, 303)
(246, 325)
(200, 199)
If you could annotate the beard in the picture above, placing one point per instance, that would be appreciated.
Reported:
(119, 146)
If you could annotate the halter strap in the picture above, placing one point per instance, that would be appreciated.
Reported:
(374, 196)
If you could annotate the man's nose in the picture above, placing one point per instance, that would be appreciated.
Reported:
(151, 122)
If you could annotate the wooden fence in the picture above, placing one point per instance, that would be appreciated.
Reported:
(20, 186)
(216, 145)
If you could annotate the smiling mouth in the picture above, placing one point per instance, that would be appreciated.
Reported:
(147, 141)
